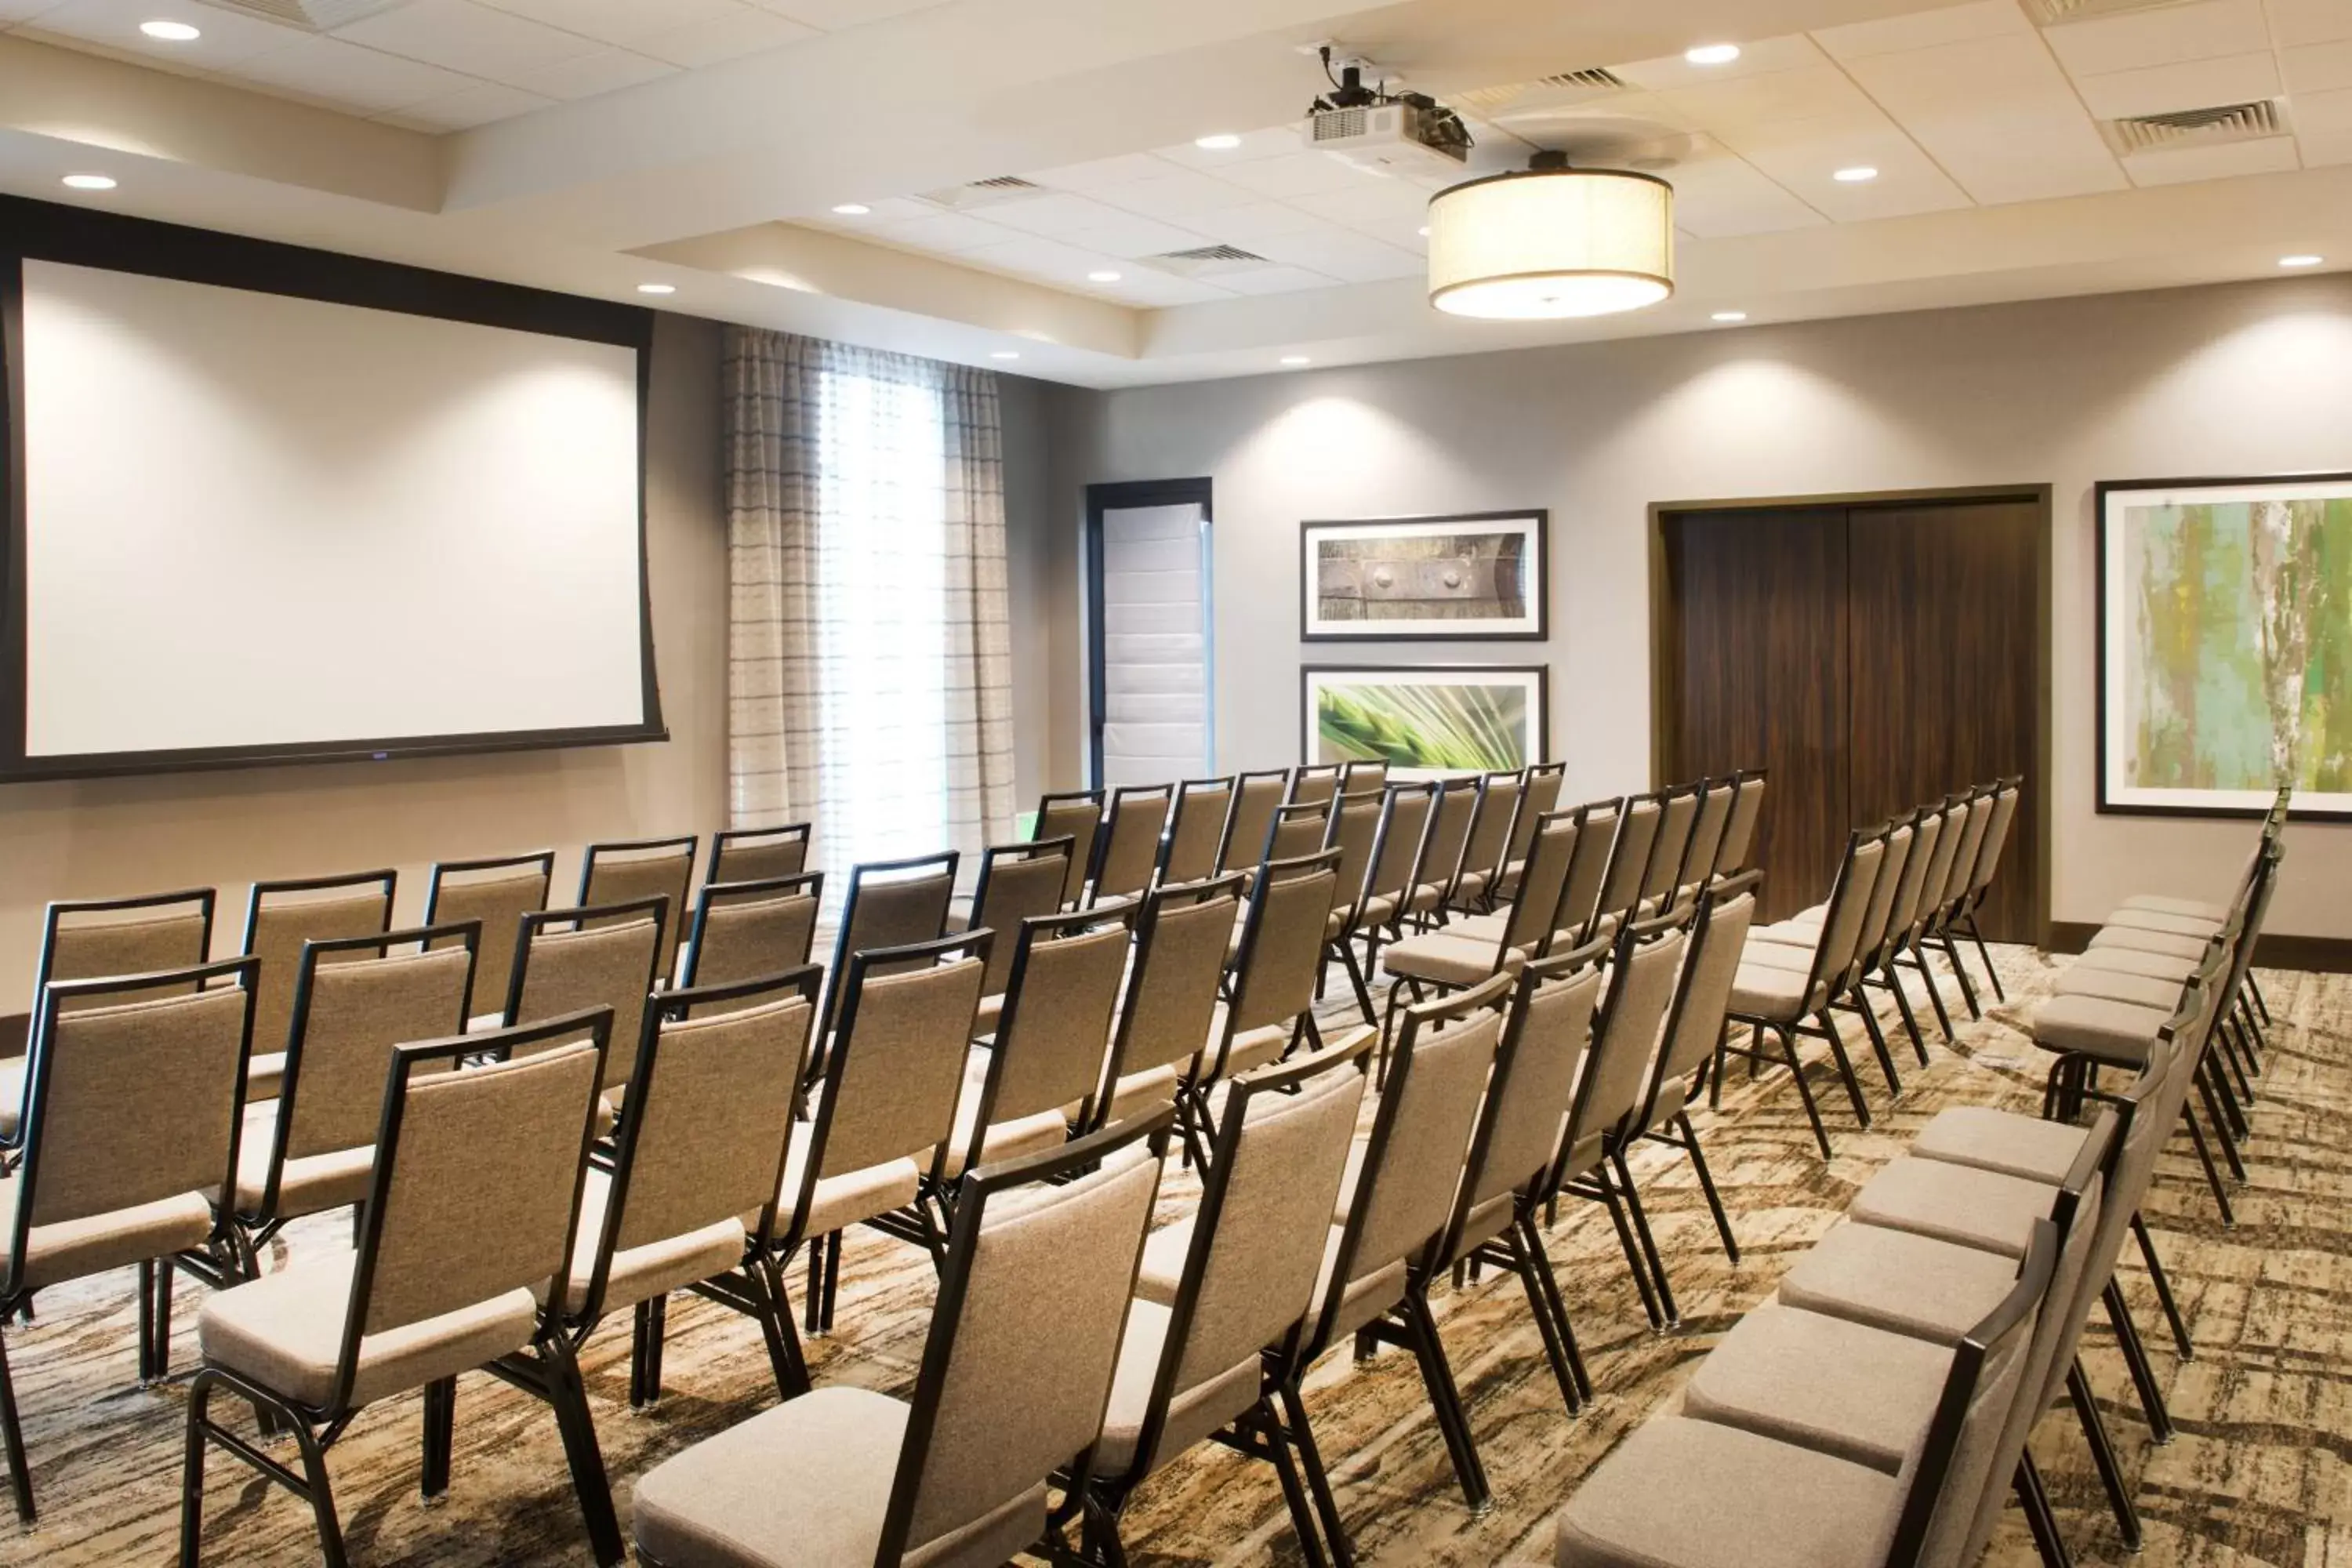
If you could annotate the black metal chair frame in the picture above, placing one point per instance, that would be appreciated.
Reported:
(713, 895)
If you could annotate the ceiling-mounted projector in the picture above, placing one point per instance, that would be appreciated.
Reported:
(1397, 133)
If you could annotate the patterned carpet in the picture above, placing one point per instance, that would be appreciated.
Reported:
(2257, 1476)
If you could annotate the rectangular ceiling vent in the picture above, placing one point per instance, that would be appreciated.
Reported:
(983, 193)
(311, 16)
(1208, 261)
(1558, 88)
(2263, 116)
(2056, 12)
(1600, 78)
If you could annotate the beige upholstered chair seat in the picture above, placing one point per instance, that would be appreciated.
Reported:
(2130, 919)
(1768, 1505)
(1763, 991)
(1426, 897)
(68, 1249)
(284, 1331)
(1901, 1282)
(1762, 955)
(310, 1183)
(807, 1482)
(1192, 1415)
(1005, 1140)
(845, 1198)
(2114, 985)
(2157, 903)
(1255, 1048)
(640, 1273)
(2003, 1140)
(2131, 960)
(1507, 884)
(1490, 926)
(1826, 1384)
(1368, 1298)
(1445, 958)
(1378, 910)
(1958, 1203)
(1798, 932)
(1471, 887)
(2139, 941)
(1145, 1090)
(2115, 1033)
(264, 1073)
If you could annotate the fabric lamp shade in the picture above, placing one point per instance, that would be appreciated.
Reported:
(1551, 242)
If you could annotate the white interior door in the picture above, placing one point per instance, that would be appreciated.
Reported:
(1155, 721)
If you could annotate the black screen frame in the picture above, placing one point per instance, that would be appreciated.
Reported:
(82, 236)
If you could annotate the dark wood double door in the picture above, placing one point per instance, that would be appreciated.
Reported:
(1872, 655)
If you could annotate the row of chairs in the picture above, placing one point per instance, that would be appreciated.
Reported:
(1878, 1411)
(1905, 889)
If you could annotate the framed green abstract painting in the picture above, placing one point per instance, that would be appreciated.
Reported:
(2225, 645)
(1426, 718)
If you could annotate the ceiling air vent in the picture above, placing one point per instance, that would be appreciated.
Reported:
(983, 193)
(1598, 77)
(1559, 89)
(1208, 261)
(311, 16)
(2054, 13)
(2196, 127)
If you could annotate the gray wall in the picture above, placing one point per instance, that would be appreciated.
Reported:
(2244, 379)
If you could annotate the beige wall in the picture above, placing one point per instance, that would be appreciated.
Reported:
(2244, 379)
(108, 836)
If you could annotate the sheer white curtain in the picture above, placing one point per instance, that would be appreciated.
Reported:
(869, 688)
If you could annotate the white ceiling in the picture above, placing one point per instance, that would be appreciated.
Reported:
(595, 145)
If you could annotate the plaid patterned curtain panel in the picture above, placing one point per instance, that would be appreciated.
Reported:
(869, 668)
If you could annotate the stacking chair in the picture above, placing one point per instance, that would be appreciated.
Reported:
(1277, 959)
(1706, 846)
(1644, 957)
(1539, 797)
(1196, 830)
(1195, 1368)
(468, 1225)
(1772, 1504)
(1129, 854)
(604, 956)
(1025, 1089)
(1075, 815)
(1441, 852)
(1017, 882)
(1662, 876)
(1905, 918)
(1739, 833)
(494, 895)
(280, 917)
(1390, 874)
(1944, 899)
(1696, 1020)
(1170, 1004)
(1314, 785)
(1787, 1001)
(1297, 830)
(1959, 918)
(1629, 863)
(623, 873)
(1951, 822)
(1491, 830)
(2274, 826)
(1499, 1203)
(355, 998)
(701, 1144)
(742, 930)
(1256, 797)
(758, 853)
(1014, 1379)
(1354, 831)
(1356, 778)
(1796, 946)
(884, 1102)
(90, 940)
(890, 903)
(133, 1109)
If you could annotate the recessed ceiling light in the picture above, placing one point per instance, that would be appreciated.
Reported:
(1005, 353)
(90, 182)
(1223, 141)
(1712, 54)
(1424, 231)
(853, 209)
(1729, 316)
(1856, 175)
(172, 32)
(657, 288)
(1296, 359)
(1102, 275)
(2305, 260)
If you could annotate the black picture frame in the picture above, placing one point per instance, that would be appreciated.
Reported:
(1539, 529)
(1537, 675)
(2107, 786)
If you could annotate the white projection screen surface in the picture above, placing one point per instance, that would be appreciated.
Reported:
(256, 525)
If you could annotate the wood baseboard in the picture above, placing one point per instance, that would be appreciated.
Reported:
(2313, 954)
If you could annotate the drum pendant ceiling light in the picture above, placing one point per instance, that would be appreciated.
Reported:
(1551, 241)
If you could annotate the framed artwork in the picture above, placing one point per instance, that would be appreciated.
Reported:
(1426, 718)
(1477, 576)
(2225, 645)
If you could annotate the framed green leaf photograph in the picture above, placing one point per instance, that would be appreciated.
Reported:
(1431, 718)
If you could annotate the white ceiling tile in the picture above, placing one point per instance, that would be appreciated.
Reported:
(1999, 116)
(1254, 144)
(2294, 22)
(1053, 215)
(2024, 158)
(1368, 202)
(1338, 253)
(1803, 156)
(476, 105)
(1246, 226)
(227, 35)
(2268, 156)
(1273, 280)
(461, 36)
(879, 209)
(1296, 174)
(1977, 78)
(1806, 94)
(1718, 195)
(1128, 235)
(1758, 57)
(1101, 171)
(1032, 257)
(2323, 124)
(324, 69)
(2169, 35)
(706, 43)
(1925, 30)
(607, 70)
(945, 232)
(2198, 84)
(2319, 67)
(1174, 194)
(1151, 288)
(833, 16)
(14, 11)
(621, 22)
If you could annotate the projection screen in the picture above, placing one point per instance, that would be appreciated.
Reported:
(252, 526)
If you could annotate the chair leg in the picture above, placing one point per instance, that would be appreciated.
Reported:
(147, 1373)
(1319, 1480)
(2103, 1455)
(2163, 1288)
(1935, 991)
(2135, 1353)
(1706, 1185)
(2255, 990)
(1648, 1243)
(2035, 1499)
(1960, 974)
(813, 1308)
(323, 1496)
(20, 1474)
(1985, 952)
(1263, 1422)
(569, 1398)
(784, 1357)
(1554, 1352)
(640, 1331)
(191, 1472)
(1828, 1021)
(1608, 1194)
(1894, 975)
(2212, 1174)
(1445, 1399)
(440, 1429)
(1531, 1240)
(832, 1277)
(1356, 980)
(1877, 1042)
(657, 1321)
(1804, 1089)
(2218, 1108)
